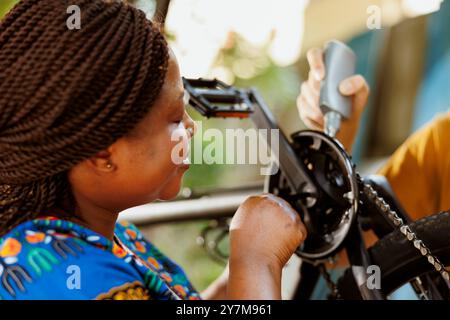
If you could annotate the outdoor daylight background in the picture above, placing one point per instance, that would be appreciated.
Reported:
(262, 43)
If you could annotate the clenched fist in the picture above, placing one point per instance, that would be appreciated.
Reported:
(268, 228)
(264, 233)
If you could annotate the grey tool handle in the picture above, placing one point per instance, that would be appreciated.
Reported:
(340, 63)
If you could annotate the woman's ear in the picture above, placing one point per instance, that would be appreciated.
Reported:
(102, 161)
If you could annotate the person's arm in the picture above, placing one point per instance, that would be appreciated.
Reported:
(264, 234)
(241, 283)
(417, 169)
(254, 279)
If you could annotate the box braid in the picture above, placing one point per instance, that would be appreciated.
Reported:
(67, 94)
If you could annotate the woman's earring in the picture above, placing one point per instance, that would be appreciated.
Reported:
(109, 165)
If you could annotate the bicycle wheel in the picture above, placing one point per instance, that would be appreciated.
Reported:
(400, 261)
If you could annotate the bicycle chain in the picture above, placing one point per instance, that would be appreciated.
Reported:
(385, 208)
(411, 236)
(334, 291)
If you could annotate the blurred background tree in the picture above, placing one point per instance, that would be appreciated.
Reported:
(5, 6)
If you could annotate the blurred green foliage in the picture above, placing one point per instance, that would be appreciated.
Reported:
(6, 5)
(250, 67)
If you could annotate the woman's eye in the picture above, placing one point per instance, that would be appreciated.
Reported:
(179, 118)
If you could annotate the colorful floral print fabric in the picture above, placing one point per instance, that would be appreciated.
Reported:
(49, 258)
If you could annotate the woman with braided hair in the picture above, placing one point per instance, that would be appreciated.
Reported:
(86, 124)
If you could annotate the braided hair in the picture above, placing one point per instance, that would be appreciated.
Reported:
(67, 94)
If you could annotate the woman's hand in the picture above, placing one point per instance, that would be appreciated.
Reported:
(308, 101)
(264, 233)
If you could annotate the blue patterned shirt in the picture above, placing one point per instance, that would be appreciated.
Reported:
(50, 258)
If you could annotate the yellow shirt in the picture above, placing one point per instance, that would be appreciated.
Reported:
(419, 171)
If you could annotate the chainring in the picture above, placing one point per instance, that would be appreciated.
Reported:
(328, 214)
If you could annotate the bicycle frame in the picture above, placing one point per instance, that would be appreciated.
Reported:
(213, 98)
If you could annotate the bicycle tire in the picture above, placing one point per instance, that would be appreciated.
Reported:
(399, 260)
